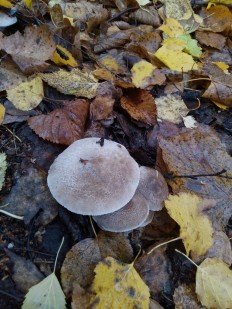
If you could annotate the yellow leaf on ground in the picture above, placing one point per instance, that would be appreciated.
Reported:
(72, 83)
(28, 4)
(195, 228)
(214, 284)
(62, 56)
(6, 4)
(172, 56)
(118, 285)
(221, 65)
(142, 71)
(172, 28)
(2, 113)
(27, 95)
(111, 64)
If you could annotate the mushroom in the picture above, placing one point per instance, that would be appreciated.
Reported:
(153, 187)
(93, 177)
(127, 218)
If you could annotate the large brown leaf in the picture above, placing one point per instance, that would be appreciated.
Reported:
(196, 152)
(62, 126)
(31, 49)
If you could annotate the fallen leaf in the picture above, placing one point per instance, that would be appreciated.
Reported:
(114, 40)
(172, 55)
(64, 125)
(28, 4)
(155, 270)
(191, 47)
(172, 28)
(27, 95)
(85, 255)
(211, 39)
(195, 228)
(56, 14)
(102, 108)
(62, 56)
(72, 83)
(147, 17)
(199, 151)
(112, 64)
(118, 285)
(143, 2)
(2, 113)
(184, 297)
(214, 284)
(171, 108)
(140, 105)
(45, 295)
(3, 167)
(31, 49)
(10, 75)
(6, 4)
(145, 74)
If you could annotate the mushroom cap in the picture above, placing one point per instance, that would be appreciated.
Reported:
(127, 218)
(153, 187)
(89, 178)
(148, 219)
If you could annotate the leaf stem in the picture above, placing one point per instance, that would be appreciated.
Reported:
(187, 258)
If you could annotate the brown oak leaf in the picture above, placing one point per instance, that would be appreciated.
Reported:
(140, 105)
(62, 126)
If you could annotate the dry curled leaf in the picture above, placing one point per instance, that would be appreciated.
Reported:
(140, 105)
(31, 49)
(64, 125)
(199, 151)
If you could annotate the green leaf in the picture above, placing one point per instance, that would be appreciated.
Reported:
(3, 167)
(45, 295)
(192, 47)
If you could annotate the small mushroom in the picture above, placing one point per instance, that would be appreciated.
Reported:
(127, 218)
(93, 177)
(153, 187)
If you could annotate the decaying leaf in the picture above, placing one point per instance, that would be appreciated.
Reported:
(195, 228)
(145, 74)
(3, 167)
(73, 83)
(118, 285)
(84, 256)
(64, 125)
(171, 107)
(45, 295)
(214, 284)
(102, 108)
(10, 75)
(62, 56)
(27, 95)
(112, 65)
(31, 49)
(140, 105)
(211, 39)
(185, 297)
(199, 151)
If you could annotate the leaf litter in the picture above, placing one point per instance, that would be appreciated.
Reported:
(124, 72)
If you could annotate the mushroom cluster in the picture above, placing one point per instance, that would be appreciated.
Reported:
(99, 178)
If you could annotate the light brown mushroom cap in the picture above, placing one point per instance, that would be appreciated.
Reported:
(153, 187)
(127, 218)
(91, 179)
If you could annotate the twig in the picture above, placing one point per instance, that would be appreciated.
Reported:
(218, 174)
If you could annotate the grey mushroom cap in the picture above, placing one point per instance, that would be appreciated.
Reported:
(91, 178)
(127, 218)
(153, 187)
(148, 219)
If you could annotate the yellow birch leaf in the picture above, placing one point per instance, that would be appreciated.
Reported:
(6, 4)
(214, 284)
(2, 113)
(111, 64)
(27, 95)
(118, 285)
(222, 106)
(195, 228)
(62, 56)
(172, 28)
(28, 4)
(221, 65)
(141, 71)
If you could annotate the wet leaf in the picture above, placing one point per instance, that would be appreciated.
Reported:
(214, 284)
(3, 167)
(72, 83)
(64, 125)
(140, 105)
(45, 295)
(27, 95)
(195, 228)
(31, 49)
(118, 285)
(199, 151)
